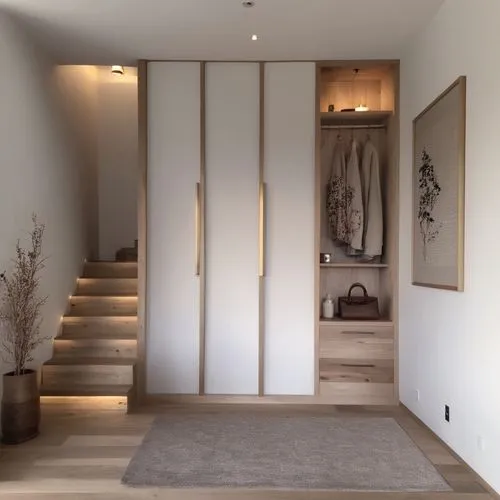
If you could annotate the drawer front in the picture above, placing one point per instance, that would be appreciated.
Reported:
(375, 371)
(344, 393)
(356, 342)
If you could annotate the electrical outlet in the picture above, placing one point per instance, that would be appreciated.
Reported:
(447, 413)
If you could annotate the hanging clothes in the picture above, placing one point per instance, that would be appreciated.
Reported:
(344, 198)
(373, 226)
(354, 202)
(336, 195)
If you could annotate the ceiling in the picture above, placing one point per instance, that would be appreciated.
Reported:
(122, 31)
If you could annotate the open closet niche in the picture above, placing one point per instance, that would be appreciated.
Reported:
(358, 212)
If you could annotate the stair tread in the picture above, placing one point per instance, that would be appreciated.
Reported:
(97, 319)
(96, 336)
(81, 298)
(125, 294)
(83, 316)
(100, 294)
(108, 279)
(88, 305)
(86, 390)
(97, 326)
(110, 262)
(76, 361)
(109, 269)
(126, 315)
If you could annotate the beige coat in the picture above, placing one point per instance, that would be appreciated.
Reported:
(354, 205)
(373, 224)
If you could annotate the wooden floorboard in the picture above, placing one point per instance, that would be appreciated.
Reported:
(85, 445)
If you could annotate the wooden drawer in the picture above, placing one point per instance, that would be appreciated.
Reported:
(356, 340)
(375, 371)
(345, 393)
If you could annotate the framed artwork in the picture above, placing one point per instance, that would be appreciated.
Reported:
(438, 191)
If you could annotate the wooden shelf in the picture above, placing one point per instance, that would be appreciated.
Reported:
(358, 265)
(355, 117)
(337, 320)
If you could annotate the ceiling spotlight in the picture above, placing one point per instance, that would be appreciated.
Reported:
(248, 3)
(255, 38)
(117, 70)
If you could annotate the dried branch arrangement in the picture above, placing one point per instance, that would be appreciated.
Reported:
(428, 191)
(20, 307)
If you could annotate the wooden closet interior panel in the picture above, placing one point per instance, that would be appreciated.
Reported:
(358, 362)
(351, 85)
(173, 173)
(289, 174)
(232, 228)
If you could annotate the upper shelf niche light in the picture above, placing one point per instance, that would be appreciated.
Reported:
(361, 106)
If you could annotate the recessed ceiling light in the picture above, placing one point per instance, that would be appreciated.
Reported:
(255, 38)
(117, 70)
(248, 3)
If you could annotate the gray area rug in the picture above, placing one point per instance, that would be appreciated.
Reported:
(266, 451)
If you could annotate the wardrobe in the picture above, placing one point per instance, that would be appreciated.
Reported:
(230, 214)
(235, 228)
(358, 362)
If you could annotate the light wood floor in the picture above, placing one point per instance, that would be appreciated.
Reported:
(86, 443)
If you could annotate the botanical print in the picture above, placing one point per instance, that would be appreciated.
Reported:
(337, 200)
(438, 191)
(344, 220)
(429, 190)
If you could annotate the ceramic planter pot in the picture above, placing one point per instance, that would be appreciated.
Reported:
(20, 407)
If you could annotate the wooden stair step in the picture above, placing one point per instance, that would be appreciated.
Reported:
(102, 306)
(67, 373)
(110, 270)
(99, 327)
(81, 361)
(107, 286)
(95, 335)
(87, 390)
(95, 348)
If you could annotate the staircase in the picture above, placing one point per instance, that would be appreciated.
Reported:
(96, 353)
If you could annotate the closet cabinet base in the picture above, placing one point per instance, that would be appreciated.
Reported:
(383, 396)
(348, 393)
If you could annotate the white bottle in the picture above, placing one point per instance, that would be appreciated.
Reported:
(328, 307)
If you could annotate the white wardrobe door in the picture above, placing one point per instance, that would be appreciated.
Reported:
(173, 171)
(232, 180)
(289, 172)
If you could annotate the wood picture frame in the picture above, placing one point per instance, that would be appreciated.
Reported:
(439, 191)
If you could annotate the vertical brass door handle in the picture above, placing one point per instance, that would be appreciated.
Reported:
(198, 229)
(262, 229)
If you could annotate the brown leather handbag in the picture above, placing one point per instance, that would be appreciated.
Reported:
(358, 307)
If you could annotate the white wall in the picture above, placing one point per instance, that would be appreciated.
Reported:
(118, 164)
(449, 341)
(78, 92)
(40, 172)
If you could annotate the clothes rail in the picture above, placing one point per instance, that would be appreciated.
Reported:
(336, 127)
